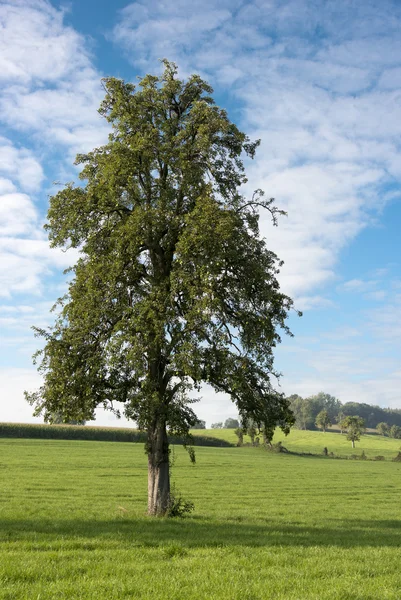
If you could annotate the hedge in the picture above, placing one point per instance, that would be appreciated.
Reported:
(101, 434)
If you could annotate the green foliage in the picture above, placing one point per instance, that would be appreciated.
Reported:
(355, 427)
(178, 506)
(395, 432)
(323, 420)
(340, 420)
(199, 424)
(383, 428)
(302, 411)
(371, 414)
(58, 419)
(239, 432)
(218, 425)
(325, 402)
(251, 430)
(231, 423)
(278, 448)
(306, 410)
(174, 286)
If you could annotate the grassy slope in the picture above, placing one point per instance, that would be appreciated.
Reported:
(315, 441)
(266, 526)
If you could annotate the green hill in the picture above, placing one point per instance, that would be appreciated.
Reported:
(314, 441)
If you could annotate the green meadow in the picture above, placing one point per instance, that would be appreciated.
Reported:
(265, 525)
(314, 441)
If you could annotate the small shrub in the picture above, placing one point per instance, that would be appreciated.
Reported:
(397, 458)
(354, 457)
(379, 458)
(325, 451)
(278, 447)
(363, 455)
(178, 507)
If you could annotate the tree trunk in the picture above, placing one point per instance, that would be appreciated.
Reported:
(158, 470)
(353, 443)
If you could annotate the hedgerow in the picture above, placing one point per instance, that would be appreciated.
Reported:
(101, 434)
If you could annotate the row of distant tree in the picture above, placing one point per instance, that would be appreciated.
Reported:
(306, 411)
(228, 424)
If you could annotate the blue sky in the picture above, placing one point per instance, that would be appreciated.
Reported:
(318, 81)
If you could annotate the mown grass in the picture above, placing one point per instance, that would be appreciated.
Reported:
(266, 526)
(314, 442)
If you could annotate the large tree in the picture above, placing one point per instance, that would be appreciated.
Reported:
(174, 286)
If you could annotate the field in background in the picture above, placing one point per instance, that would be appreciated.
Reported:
(314, 442)
(265, 526)
(297, 441)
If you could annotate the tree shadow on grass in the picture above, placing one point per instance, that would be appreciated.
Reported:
(198, 532)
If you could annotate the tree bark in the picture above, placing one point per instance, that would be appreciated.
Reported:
(158, 470)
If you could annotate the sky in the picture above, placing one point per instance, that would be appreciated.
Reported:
(318, 81)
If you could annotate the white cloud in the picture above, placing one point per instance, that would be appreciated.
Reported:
(35, 45)
(50, 93)
(318, 82)
(330, 137)
(50, 88)
(25, 262)
(21, 165)
(13, 406)
(17, 214)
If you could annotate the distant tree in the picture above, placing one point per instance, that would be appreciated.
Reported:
(239, 432)
(395, 432)
(306, 413)
(295, 404)
(355, 428)
(372, 414)
(217, 425)
(383, 428)
(231, 424)
(199, 424)
(323, 420)
(324, 401)
(340, 421)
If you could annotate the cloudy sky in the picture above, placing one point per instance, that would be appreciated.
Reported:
(319, 81)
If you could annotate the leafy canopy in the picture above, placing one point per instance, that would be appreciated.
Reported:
(174, 286)
(355, 427)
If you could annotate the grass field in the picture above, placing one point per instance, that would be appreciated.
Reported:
(265, 526)
(314, 442)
